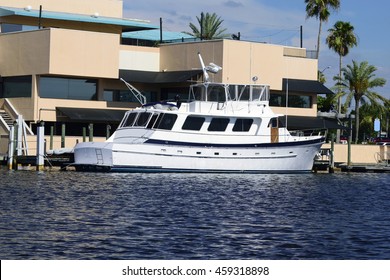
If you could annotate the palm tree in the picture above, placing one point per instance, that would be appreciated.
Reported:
(340, 39)
(359, 79)
(320, 10)
(210, 27)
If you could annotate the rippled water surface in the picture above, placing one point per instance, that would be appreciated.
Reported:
(69, 215)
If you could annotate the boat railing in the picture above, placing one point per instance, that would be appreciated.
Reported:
(136, 93)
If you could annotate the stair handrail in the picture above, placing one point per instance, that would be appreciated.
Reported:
(4, 125)
(10, 109)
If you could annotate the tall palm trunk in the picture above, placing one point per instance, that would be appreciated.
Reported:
(357, 118)
(319, 39)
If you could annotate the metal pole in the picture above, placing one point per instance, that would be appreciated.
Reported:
(161, 33)
(40, 17)
(301, 31)
(40, 163)
(84, 134)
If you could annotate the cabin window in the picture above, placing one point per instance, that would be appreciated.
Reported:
(142, 119)
(152, 121)
(165, 121)
(242, 125)
(273, 123)
(218, 124)
(193, 123)
(130, 119)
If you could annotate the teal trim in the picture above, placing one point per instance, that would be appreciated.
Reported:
(126, 24)
(154, 35)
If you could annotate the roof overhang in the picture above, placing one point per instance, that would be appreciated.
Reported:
(299, 122)
(124, 24)
(306, 86)
(154, 35)
(135, 76)
(90, 115)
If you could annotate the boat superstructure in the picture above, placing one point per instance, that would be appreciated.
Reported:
(221, 128)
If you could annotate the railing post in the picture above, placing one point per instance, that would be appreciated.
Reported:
(11, 147)
(108, 131)
(331, 155)
(40, 163)
(51, 137)
(63, 129)
(90, 127)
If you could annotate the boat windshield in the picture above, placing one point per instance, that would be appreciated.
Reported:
(223, 92)
(209, 92)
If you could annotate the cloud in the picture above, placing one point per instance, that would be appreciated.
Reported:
(233, 4)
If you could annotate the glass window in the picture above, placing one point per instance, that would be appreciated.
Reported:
(294, 101)
(193, 123)
(130, 119)
(152, 121)
(218, 124)
(16, 87)
(142, 119)
(165, 121)
(64, 88)
(242, 125)
(116, 95)
(9, 27)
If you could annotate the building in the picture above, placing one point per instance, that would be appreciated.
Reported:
(60, 62)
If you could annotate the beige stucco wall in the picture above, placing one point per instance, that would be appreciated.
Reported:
(81, 53)
(109, 8)
(139, 58)
(24, 53)
(241, 61)
(59, 52)
(366, 154)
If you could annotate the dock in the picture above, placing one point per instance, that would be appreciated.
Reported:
(362, 168)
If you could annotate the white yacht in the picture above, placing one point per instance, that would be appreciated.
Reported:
(221, 128)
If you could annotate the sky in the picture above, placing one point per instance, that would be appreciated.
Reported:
(279, 21)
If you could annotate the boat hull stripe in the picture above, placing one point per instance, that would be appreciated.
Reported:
(258, 145)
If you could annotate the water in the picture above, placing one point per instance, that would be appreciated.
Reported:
(69, 215)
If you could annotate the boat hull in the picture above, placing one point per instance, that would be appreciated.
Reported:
(288, 157)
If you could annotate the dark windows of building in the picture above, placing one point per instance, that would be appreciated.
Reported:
(294, 101)
(218, 124)
(9, 27)
(116, 95)
(68, 88)
(242, 125)
(193, 123)
(15, 86)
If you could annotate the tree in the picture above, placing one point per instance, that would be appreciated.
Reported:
(210, 27)
(359, 79)
(340, 39)
(320, 10)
